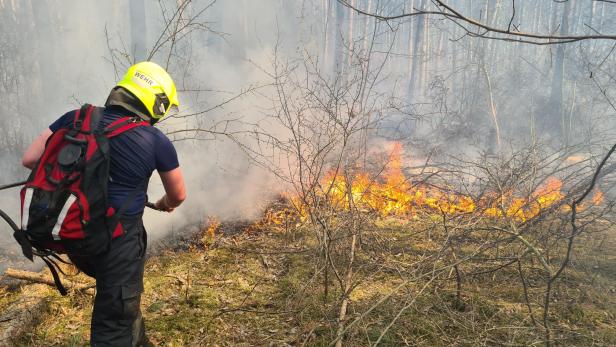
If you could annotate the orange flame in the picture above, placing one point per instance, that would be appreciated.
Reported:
(597, 198)
(394, 195)
(209, 235)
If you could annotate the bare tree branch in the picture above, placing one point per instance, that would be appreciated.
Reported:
(449, 12)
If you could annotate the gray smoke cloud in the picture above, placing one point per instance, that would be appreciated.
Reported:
(80, 58)
(59, 54)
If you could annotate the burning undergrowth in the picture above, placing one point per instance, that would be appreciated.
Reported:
(278, 215)
(529, 210)
(393, 193)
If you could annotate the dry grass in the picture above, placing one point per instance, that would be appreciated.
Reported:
(260, 290)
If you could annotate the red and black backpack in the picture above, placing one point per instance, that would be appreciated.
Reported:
(64, 207)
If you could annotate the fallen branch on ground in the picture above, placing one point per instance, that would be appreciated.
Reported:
(36, 277)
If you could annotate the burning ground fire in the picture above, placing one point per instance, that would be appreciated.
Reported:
(394, 196)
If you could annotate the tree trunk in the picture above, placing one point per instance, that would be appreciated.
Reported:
(351, 14)
(138, 34)
(339, 42)
(497, 140)
(554, 121)
(418, 34)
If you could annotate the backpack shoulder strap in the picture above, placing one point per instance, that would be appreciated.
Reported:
(82, 116)
(122, 125)
(96, 115)
(87, 119)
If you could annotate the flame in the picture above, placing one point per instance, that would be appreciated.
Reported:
(279, 216)
(394, 195)
(574, 159)
(214, 224)
(209, 235)
(597, 198)
(545, 196)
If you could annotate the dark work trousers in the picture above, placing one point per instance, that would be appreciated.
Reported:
(116, 318)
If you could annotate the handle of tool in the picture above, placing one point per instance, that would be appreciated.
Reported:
(152, 206)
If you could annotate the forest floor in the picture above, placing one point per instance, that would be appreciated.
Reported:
(259, 289)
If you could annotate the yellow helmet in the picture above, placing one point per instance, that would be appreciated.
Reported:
(153, 86)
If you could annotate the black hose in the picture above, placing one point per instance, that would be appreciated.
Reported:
(2, 213)
(9, 221)
(13, 185)
(20, 237)
(16, 228)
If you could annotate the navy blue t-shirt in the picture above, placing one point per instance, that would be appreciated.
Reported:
(135, 154)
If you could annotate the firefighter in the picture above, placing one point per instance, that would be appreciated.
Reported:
(148, 92)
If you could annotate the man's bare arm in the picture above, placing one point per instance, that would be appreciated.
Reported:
(175, 190)
(35, 150)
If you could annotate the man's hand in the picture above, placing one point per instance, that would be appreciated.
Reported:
(163, 205)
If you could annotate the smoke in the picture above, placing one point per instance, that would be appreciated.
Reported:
(57, 55)
(75, 58)
(225, 73)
